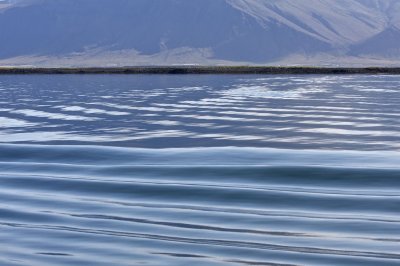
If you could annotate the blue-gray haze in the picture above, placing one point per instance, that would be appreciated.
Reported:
(255, 31)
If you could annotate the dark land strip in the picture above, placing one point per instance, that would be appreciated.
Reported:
(202, 70)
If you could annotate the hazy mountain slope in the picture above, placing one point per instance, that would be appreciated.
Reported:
(338, 22)
(386, 43)
(389, 9)
(148, 26)
(202, 31)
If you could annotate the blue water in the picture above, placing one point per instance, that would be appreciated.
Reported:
(199, 170)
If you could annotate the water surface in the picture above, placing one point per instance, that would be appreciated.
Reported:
(324, 112)
(199, 170)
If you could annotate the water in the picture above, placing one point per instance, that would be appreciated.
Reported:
(199, 170)
(308, 112)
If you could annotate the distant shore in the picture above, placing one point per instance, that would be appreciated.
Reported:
(202, 70)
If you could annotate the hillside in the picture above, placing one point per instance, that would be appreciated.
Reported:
(162, 32)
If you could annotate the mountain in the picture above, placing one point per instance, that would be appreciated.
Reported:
(142, 32)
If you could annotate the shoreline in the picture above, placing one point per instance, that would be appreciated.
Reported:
(271, 70)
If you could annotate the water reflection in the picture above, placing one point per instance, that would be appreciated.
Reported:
(93, 205)
(328, 112)
(185, 205)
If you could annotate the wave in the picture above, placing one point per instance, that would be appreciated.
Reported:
(98, 205)
(295, 112)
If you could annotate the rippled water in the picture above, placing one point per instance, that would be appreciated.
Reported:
(199, 170)
(328, 112)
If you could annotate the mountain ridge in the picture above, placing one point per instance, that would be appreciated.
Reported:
(157, 32)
